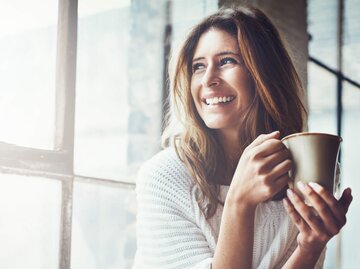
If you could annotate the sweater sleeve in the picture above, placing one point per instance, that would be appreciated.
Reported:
(167, 233)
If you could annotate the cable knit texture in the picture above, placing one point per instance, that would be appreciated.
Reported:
(172, 231)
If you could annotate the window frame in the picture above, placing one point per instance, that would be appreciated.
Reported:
(58, 164)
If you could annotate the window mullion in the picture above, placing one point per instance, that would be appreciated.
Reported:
(66, 76)
(33, 160)
(65, 114)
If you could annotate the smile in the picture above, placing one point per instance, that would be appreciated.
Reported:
(217, 100)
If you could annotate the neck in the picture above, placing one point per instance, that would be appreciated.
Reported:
(230, 142)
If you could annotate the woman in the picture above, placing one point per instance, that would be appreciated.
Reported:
(212, 199)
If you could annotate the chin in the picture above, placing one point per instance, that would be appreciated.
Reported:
(219, 122)
(216, 125)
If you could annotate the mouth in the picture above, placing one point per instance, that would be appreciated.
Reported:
(218, 100)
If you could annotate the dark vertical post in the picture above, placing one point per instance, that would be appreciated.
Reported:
(340, 24)
(339, 107)
(340, 30)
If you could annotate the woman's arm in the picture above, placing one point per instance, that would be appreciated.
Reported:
(316, 224)
(235, 244)
(260, 174)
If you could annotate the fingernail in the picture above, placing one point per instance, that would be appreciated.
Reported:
(301, 186)
(274, 132)
(290, 193)
(315, 186)
(286, 203)
(348, 190)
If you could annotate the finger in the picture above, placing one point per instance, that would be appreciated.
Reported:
(278, 157)
(336, 207)
(295, 216)
(271, 146)
(279, 170)
(263, 137)
(306, 213)
(332, 223)
(281, 182)
(346, 199)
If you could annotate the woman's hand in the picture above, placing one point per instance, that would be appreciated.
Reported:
(262, 171)
(318, 223)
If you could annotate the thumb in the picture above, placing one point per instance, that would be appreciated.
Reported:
(346, 199)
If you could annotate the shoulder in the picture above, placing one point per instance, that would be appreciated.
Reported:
(164, 174)
(171, 230)
(166, 159)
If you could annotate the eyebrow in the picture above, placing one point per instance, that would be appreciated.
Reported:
(226, 52)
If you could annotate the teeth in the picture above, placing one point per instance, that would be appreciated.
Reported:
(216, 100)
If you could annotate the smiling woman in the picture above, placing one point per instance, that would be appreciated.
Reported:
(211, 198)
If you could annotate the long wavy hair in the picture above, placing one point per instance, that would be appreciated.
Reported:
(276, 103)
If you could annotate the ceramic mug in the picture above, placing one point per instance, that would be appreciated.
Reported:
(315, 156)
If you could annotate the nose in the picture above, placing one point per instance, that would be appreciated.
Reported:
(210, 78)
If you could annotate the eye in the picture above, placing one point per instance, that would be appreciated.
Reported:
(227, 60)
(197, 66)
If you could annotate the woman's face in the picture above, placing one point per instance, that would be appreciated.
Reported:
(220, 85)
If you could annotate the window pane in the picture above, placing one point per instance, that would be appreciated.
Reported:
(322, 23)
(119, 87)
(27, 67)
(351, 174)
(351, 48)
(322, 100)
(186, 13)
(103, 229)
(101, 101)
(30, 210)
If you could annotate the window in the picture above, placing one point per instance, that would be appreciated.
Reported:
(80, 111)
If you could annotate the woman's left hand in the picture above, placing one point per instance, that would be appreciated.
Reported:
(317, 223)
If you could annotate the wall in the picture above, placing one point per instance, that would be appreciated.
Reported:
(290, 18)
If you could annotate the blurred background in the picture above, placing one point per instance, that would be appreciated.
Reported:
(82, 91)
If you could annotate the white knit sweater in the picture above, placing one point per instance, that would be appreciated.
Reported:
(172, 231)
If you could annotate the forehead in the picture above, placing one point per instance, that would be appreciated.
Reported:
(215, 41)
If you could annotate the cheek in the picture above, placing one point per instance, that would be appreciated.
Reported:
(194, 94)
(195, 103)
(245, 91)
(250, 92)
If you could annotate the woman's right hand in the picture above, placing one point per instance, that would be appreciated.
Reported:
(262, 171)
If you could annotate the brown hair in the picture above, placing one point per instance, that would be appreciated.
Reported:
(276, 104)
